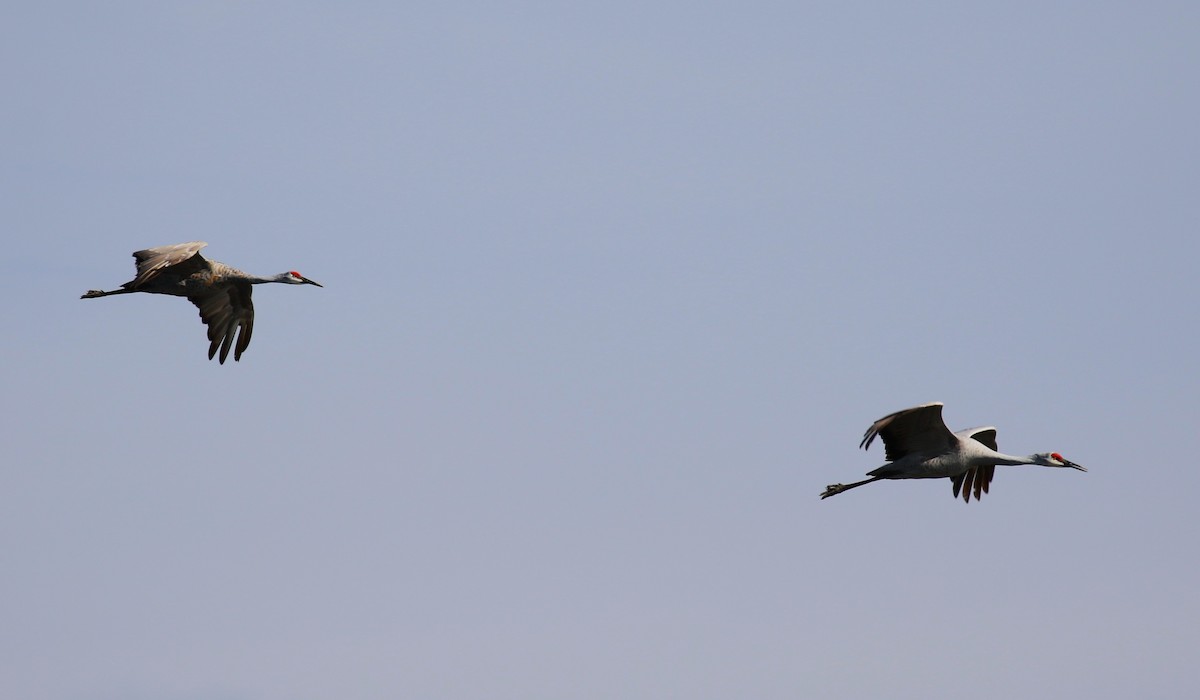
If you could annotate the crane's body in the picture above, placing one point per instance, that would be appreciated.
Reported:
(221, 292)
(918, 445)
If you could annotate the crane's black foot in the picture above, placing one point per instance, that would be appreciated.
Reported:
(91, 293)
(832, 490)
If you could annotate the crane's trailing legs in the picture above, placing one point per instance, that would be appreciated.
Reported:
(835, 489)
(93, 293)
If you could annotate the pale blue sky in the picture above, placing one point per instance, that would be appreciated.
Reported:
(611, 293)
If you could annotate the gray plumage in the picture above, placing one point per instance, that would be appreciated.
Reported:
(918, 445)
(222, 293)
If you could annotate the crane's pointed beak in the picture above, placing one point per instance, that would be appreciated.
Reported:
(308, 281)
(1073, 465)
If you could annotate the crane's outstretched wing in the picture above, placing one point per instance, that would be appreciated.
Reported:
(227, 310)
(183, 259)
(978, 478)
(985, 435)
(915, 430)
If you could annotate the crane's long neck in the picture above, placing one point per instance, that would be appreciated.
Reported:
(259, 279)
(222, 271)
(1001, 458)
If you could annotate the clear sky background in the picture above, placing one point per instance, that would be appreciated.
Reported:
(611, 292)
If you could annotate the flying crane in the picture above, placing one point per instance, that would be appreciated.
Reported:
(918, 445)
(221, 292)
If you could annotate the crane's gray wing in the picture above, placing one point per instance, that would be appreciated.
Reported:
(916, 430)
(227, 311)
(978, 478)
(985, 435)
(182, 258)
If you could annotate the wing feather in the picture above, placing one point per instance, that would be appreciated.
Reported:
(985, 435)
(984, 479)
(916, 430)
(227, 310)
(181, 259)
(980, 476)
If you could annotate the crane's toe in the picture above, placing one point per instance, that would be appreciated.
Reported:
(832, 490)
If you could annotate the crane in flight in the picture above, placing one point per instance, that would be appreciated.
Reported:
(918, 445)
(222, 293)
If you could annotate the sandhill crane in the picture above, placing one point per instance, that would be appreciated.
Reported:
(918, 445)
(221, 292)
